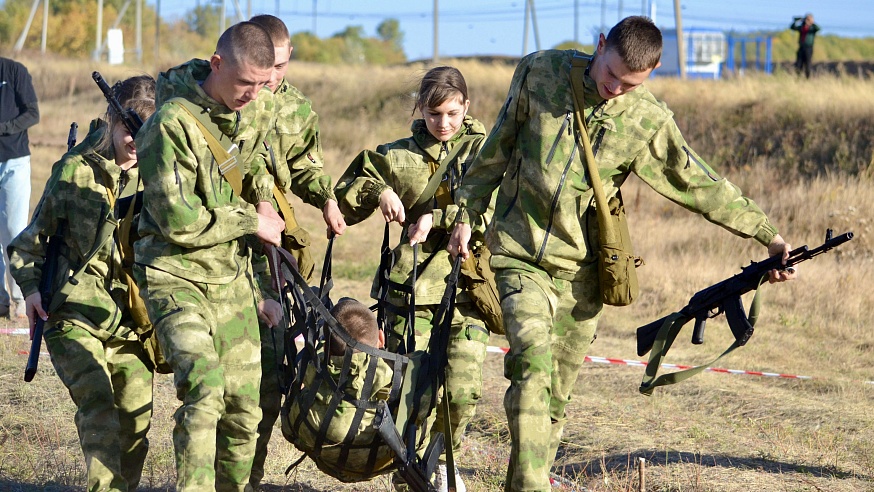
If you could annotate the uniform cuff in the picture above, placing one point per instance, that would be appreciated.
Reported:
(766, 234)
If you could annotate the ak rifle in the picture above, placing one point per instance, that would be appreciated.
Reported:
(725, 297)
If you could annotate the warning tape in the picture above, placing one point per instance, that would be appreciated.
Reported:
(589, 358)
(640, 363)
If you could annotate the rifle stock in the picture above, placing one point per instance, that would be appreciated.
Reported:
(129, 117)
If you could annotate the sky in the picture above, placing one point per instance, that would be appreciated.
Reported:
(496, 27)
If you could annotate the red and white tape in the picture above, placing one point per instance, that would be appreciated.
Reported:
(640, 363)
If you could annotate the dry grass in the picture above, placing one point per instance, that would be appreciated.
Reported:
(712, 433)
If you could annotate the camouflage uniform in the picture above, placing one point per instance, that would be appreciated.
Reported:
(356, 462)
(405, 166)
(194, 271)
(544, 234)
(296, 163)
(91, 337)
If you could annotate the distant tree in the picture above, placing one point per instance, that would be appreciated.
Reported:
(573, 45)
(204, 20)
(389, 31)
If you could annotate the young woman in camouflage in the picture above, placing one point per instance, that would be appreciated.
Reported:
(392, 179)
(91, 337)
(544, 238)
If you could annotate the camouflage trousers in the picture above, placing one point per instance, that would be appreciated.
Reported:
(111, 384)
(209, 335)
(272, 351)
(466, 355)
(550, 325)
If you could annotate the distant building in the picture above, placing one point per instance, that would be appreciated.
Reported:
(705, 53)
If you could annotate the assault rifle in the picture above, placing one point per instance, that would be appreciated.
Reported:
(725, 297)
(129, 117)
(49, 271)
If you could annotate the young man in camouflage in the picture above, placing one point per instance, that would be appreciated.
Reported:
(296, 163)
(193, 262)
(544, 232)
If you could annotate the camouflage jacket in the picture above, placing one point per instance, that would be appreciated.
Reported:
(193, 225)
(76, 194)
(296, 155)
(540, 212)
(405, 166)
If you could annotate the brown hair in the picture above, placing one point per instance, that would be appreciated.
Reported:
(246, 41)
(439, 85)
(637, 41)
(359, 322)
(136, 93)
(275, 28)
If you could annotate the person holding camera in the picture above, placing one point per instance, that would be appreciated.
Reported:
(806, 33)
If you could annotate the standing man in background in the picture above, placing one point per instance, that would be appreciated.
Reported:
(806, 34)
(18, 112)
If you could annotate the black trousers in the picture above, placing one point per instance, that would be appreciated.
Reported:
(802, 61)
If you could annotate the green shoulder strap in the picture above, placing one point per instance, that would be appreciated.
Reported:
(665, 338)
(604, 223)
(226, 158)
(437, 177)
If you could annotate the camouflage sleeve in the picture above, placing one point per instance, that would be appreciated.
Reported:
(487, 170)
(303, 154)
(360, 187)
(27, 251)
(257, 182)
(676, 172)
(169, 169)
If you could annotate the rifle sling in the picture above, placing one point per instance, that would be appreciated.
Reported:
(665, 338)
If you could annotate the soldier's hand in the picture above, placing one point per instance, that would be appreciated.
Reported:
(270, 224)
(391, 207)
(333, 218)
(270, 312)
(780, 247)
(33, 308)
(418, 232)
(458, 241)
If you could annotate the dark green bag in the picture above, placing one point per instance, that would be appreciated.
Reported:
(482, 289)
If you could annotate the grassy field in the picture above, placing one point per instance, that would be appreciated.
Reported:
(802, 150)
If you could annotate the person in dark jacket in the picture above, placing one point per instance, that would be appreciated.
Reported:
(807, 30)
(18, 112)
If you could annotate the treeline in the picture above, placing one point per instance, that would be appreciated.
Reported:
(71, 33)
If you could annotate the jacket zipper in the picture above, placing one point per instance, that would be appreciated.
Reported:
(595, 146)
(564, 125)
(516, 195)
(699, 163)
